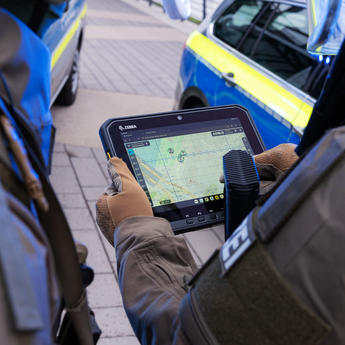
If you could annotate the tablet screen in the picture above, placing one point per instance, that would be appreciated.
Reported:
(177, 158)
(182, 164)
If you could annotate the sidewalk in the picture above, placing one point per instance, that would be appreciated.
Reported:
(130, 65)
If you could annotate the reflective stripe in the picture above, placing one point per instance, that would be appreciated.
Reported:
(67, 38)
(276, 97)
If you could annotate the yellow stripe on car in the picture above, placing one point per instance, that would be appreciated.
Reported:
(67, 38)
(287, 105)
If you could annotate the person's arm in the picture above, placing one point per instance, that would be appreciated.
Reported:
(151, 260)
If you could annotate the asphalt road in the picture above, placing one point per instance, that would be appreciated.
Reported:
(129, 65)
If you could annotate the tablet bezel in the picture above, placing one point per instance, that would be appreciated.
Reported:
(111, 137)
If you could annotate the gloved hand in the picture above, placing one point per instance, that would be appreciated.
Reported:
(272, 164)
(282, 157)
(124, 198)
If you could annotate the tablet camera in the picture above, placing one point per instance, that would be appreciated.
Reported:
(179, 117)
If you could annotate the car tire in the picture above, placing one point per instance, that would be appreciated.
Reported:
(193, 98)
(194, 105)
(69, 92)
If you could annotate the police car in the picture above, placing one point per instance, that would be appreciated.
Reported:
(64, 38)
(253, 53)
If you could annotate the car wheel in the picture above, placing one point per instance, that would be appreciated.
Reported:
(68, 93)
(193, 98)
(192, 103)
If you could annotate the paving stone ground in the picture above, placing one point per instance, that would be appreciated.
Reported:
(129, 50)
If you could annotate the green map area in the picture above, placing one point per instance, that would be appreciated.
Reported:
(185, 167)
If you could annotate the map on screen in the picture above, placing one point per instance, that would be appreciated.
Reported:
(186, 167)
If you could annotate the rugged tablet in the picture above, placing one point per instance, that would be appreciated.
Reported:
(176, 157)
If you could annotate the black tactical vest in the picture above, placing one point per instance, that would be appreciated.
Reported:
(280, 278)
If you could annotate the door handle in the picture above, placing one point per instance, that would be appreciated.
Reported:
(229, 79)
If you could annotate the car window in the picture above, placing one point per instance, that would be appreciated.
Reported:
(275, 36)
(235, 21)
(279, 44)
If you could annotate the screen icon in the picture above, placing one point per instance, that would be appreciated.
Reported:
(222, 196)
(131, 152)
(211, 198)
(217, 197)
(196, 201)
(207, 199)
(201, 201)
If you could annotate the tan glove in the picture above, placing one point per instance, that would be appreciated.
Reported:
(281, 157)
(273, 163)
(124, 198)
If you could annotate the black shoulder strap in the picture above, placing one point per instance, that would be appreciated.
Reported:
(58, 232)
(59, 235)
